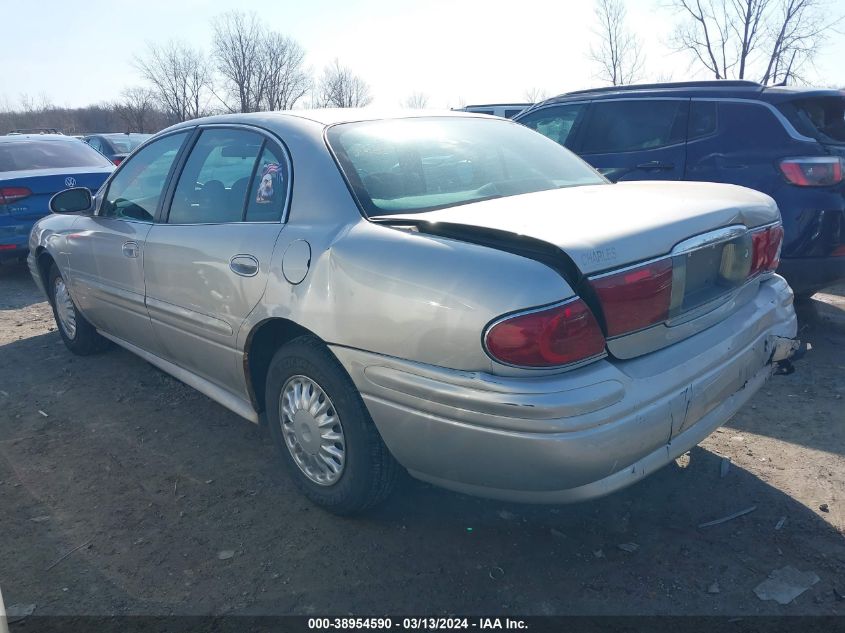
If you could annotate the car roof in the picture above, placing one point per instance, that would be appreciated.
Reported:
(327, 116)
(39, 137)
(715, 89)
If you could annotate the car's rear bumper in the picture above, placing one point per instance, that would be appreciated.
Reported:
(577, 435)
(14, 237)
(810, 274)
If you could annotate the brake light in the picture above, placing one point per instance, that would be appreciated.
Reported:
(8, 195)
(636, 298)
(561, 335)
(766, 245)
(813, 171)
(117, 161)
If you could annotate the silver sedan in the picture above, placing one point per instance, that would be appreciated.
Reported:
(452, 294)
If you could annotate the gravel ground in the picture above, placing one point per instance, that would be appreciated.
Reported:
(177, 506)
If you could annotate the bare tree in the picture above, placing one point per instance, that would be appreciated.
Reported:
(179, 78)
(416, 101)
(535, 95)
(741, 39)
(283, 77)
(339, 87)
(237, 54)
(135, 108)
(800, 28)
(619, 53)
(261, 69)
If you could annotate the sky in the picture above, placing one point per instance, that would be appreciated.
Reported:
(78, 52)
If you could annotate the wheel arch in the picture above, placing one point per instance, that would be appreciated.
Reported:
(265, 338)
(45, 260)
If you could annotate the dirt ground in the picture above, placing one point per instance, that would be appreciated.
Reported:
(179, 507)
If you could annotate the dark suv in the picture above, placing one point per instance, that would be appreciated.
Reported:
(786, 142)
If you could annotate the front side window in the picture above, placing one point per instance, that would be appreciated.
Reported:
(136, 189)
(421, 164)
(556, 122)
(635, 125)
(53, 154)
(213, 186)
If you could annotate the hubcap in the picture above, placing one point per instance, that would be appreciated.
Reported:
(64, 308)
(312, 430)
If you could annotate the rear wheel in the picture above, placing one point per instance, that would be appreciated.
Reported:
(325, 435)
(79, 335)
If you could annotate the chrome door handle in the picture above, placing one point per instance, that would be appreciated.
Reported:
(244, 265)
(130, 249)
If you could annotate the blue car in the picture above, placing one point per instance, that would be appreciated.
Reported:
(33, 168)
(786, 142)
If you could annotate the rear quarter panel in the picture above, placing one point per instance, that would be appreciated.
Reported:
(402, 294)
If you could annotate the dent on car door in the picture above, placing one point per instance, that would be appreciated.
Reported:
(636, 139)
(207, 264)
(106, 250)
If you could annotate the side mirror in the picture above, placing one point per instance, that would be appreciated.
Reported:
(76, 200)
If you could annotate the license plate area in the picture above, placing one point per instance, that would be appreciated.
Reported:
(706, 272)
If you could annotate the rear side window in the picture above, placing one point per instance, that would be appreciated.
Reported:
(702, 119)
(636, 125)
(821, 118)
(268, 192)
(135, 190)
(213, 186)
(556, 123)
(26, 154)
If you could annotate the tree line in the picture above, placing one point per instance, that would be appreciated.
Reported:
(250, 67)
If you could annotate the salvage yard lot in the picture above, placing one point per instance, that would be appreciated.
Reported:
(180, 508)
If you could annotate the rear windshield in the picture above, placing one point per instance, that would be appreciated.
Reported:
(126, 143)
(421, 164)
(821, 118)
(29, 154)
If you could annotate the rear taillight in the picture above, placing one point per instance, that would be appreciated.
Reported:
(8, 195)
(117, 161)
(813, 171)
(635, 298)
(551, 337)
(766, 245)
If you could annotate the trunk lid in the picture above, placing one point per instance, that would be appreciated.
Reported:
(702, 228)
(604, 227)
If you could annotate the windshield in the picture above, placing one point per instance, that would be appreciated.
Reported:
(29, 154)
(821, 118)
(125, 143)
(421, 164)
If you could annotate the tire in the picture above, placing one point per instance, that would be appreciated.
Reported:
(79, 335)
(367, 471)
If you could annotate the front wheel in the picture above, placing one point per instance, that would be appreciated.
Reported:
(325, 435)
(79, 336)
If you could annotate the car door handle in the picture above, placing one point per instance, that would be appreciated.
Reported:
(130, 249)
(244, 265)
(656, 165)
